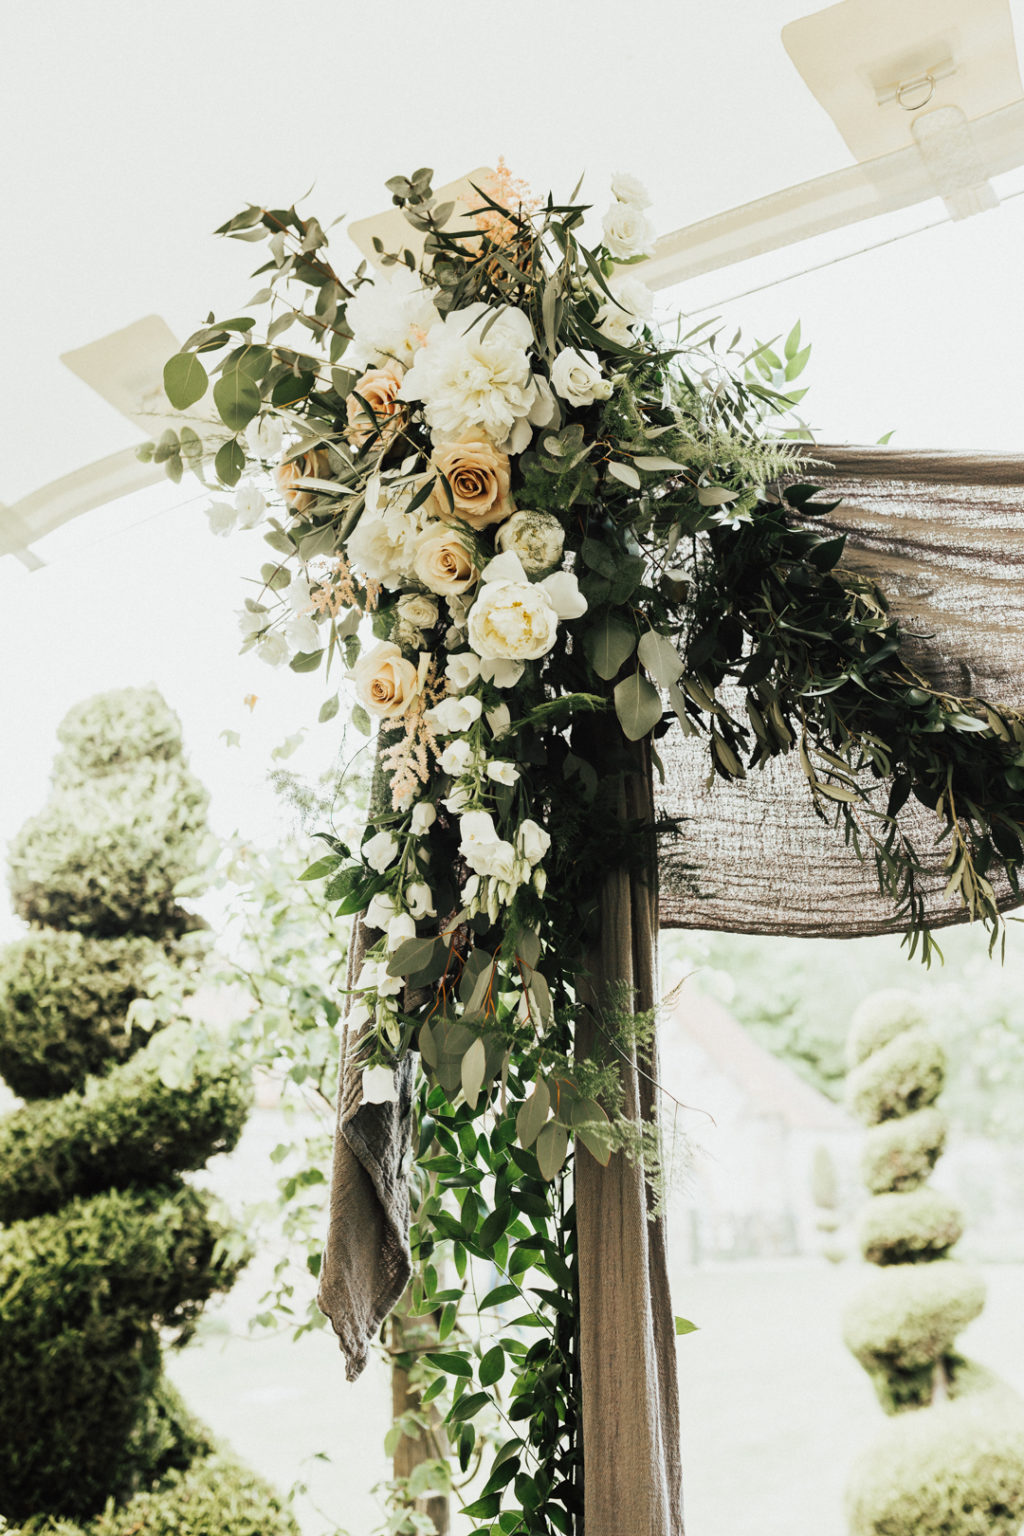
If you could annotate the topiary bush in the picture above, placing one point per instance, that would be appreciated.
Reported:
(106, 1244)
(953, 1463)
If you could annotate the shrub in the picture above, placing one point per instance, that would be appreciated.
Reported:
(113, 730)
(63, 1002)
(906, 1317)
(879, 1019)
(904, 1075)
(124, 1129)
(955, 1470)
(906, 1228)
(900, 1154)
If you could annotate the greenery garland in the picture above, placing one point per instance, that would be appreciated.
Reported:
(552, 518)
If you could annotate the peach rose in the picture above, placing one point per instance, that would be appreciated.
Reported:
(313, 465)
(478, 475)
(378, 388)
(386, 681)
(444, 562)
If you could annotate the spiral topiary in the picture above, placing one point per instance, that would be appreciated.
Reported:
(105, 1243)
(953, 1462)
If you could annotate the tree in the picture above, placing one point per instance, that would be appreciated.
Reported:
(953, 1462)
(106, 1242)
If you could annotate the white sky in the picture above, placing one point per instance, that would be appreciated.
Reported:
(131, 129)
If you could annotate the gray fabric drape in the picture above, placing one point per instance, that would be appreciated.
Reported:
(943, 536)
(627, 1330)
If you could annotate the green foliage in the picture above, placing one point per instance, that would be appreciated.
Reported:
(126, 1128)
(879, 1019)
(213, 1496)
(905, 1319)
(904, 1228)
(64, 1001)
(957, 1470)
(905, 1075)
(112, 731)
(900, 1154)
(82, 1292)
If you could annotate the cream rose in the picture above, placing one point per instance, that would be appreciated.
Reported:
(538, 538)
(418, 609)
(444, 562)
(379, 389)
(386, 682)
(577, 377)
(478, 476)
(313, 465)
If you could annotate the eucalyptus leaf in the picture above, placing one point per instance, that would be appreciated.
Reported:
(660, 657)
(185, 380)
(237, 398)
(609, 644)
(474, 1069)
(552, 1146)
(637, 705)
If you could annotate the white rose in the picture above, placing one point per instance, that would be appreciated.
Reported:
(627, 232)
(390, 318)
(302, 635)
(577, 377)
(379, 1085)
(455, 714)
(420, 900)
(632, 294)
(380, 911)
(532, 841)
(265, 437)
(221, 515)
(538, 539)
(462, 670)
(250, 505)
(400, 928)
(503, 773)
(630, 189)
(615, 325)
(418, 610)
(273, 648)
(456, 757)
(380, 851)
(474, 374)
(423, 817)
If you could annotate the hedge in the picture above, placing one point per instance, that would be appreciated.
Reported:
(879, 1019)
(904, 1320)
(900, 1154)
(902, 1076)
(909, 1228)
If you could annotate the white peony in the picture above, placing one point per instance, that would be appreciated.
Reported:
(383, 543)
(455, 714)
(516, 620)
(627, 232)
(532, 842)
(379, 1085)
(423, 817)
(389, 319)
(577, 377)
(474, 375)
(380, 851)
(483, 850)
(538, 539)
(630, 189)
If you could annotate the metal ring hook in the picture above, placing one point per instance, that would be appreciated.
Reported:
(906, 88)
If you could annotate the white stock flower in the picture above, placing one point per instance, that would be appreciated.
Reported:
(380, 911)
(380, 851)
(423, 817)
(577, 377)
(456, 757)
(379, 1085)
(627, 188)
(537, 538)
(221, 515)
(400, 928)
(418, 610)
(484, 851)
(462, 670)
(532, 842)
(389, 318)
(420, 900)
(302, 635)
(503, 773)
(273, 648)
(475, 374)
(455, 714)
(627, 232)
(250, 505)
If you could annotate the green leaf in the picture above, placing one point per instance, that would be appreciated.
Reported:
(452, 1365)
(185, 380)
(328, 709)
(415, 955)
(492, 1366)
(229, 463)
(320, 869)
(474, 1069)
(500, 1294)
(610, 643)
(660, 657)
(552, 1145)
(361, 720)
(637, 705)
(624, 472)
(237, 398)
(683, 1326)
(467, 1407)
(533, 1114)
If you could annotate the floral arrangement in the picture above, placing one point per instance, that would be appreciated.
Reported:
(564, 531)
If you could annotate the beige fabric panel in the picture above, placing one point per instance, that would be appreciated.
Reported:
(943, 535)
